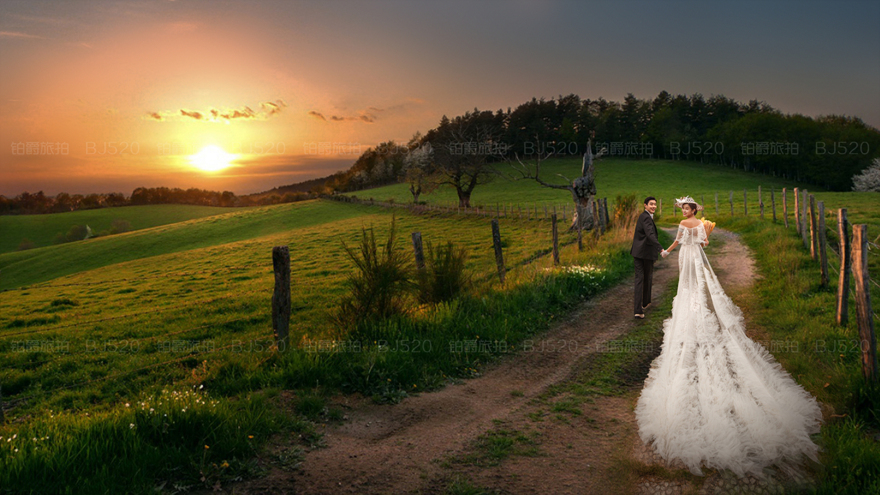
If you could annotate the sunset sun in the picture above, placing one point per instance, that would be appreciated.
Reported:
(211, 159)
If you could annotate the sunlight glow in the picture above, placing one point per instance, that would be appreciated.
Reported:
(211, 159)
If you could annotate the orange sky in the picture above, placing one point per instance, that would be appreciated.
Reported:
(298, 89)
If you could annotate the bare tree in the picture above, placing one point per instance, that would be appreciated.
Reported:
(582, 189)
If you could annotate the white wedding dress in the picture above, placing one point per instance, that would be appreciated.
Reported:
(715, 397)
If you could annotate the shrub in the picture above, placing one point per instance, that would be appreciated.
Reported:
(119, 226)
(26, 244)
(59, 238)
(444, 276)
(626, 210)
(379, 286)
(76, 233)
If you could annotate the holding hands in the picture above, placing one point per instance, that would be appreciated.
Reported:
(664, 253)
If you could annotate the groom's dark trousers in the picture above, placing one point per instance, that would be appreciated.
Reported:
(645, 250)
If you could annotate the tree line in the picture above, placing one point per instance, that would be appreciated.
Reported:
(34, 203)
(826, 151)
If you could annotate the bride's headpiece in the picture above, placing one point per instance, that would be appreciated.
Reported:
(687, 199)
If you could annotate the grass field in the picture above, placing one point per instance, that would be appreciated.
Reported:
(90, 328)
(41, 229)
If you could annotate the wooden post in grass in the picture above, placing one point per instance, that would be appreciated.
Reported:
(605, 207)
(716, 204)
(702, 202)
(823, 256)
(867, 342)
(555, 240)
(805, 229)
(554, 211)
(760, 202)
(659, 210)
(417, 249)
(731, 203)
(545, 211)
(2, 414)
(785, 207)
(814, 231)
(595, 220)
(496, 241)
(773, 204)
(281, 296)
(845, 268)
(797, 209)
(580, 213)
(601, 217)
(745, 203)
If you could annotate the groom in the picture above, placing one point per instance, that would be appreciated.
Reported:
(645, 249)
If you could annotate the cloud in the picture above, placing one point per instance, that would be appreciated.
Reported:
(271, 108)
(371, 114)
(195, 115)
(16, 34)
(267, 110)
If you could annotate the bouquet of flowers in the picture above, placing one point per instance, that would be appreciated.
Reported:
(708, 225)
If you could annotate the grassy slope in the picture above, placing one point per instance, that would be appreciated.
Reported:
(41, 229)
(38, 265)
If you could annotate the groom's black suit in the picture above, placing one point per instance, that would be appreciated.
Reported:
(645, 250)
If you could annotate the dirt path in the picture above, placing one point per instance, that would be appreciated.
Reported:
(407, 448)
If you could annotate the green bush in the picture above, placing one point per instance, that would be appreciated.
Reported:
(119, 226)
(381, 283)
(26, 244)
(76, 233)
(444, 277)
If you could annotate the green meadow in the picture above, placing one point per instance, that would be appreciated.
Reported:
(42, 229)
(158, 342)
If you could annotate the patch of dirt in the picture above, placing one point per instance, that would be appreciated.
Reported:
(405, 448)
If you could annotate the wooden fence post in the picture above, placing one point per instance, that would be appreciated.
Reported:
(555, 240)
(867, 342)
(2, 414)
(595, 219)
(702, 202)
(773, 203)
(605, 207)
(761, 202)
(731, 203)
(845, 268)
(814, 234)
(745, 203)
(659, 210)
(716, 204)
(417, 249)
(797, 210)
(823, 256)
(580, 226)
(805, 232)
(601, 217)
(281, 296)
(785, 207)
(499, 257)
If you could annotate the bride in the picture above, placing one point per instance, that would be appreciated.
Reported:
(714, 397)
